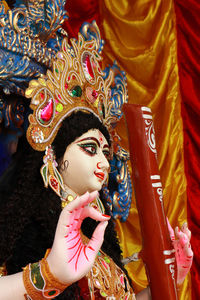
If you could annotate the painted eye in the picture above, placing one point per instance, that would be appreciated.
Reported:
(76, 91)
(89, 148)
(106, 154)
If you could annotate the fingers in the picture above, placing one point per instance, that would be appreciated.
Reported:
(171, 231)
(184, 235)
(184, 242)
(77, 210)
(93, 214)
(185, 229)
(85, 212)
(77, 204)
(181, 236)
(184, 253)
(183, 239)
(96, 241)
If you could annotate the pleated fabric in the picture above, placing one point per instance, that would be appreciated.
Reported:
(141, 36)
(157, 44)
(188, 28)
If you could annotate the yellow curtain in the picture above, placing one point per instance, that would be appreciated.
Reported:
(141, 36)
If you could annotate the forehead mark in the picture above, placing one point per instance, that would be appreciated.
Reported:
(101, 137)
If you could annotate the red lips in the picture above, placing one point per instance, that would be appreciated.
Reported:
(100, 175)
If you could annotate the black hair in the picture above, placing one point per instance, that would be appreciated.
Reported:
(74, 126)
(29, 212)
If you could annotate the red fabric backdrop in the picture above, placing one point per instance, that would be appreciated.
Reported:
(81, 11)
(188, 34)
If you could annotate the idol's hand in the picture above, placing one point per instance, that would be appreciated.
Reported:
(70, 259)
(184, 253)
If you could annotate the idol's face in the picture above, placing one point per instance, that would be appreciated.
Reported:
(86, 162)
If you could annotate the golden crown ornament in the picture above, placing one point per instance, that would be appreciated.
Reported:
(75, 83)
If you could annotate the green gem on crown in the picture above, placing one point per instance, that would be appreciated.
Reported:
(76, 91)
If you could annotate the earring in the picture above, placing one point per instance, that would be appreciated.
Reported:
(49, 172)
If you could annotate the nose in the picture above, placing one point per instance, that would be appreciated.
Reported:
(103, 163)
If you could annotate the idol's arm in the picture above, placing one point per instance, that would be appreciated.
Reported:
(69, 259)
(12, 286)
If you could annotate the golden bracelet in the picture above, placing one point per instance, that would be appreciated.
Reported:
(40, 283)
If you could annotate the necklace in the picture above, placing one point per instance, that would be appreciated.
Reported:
(67, 195)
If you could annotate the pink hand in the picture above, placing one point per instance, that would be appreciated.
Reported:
(79, 253)
(70, 259)
(184, 253)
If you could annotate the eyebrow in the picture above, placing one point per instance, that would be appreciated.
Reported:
(93, 139)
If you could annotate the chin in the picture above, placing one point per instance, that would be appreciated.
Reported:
(96, 187)
(99, 188)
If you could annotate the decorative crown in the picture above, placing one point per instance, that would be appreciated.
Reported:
(75, 83)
